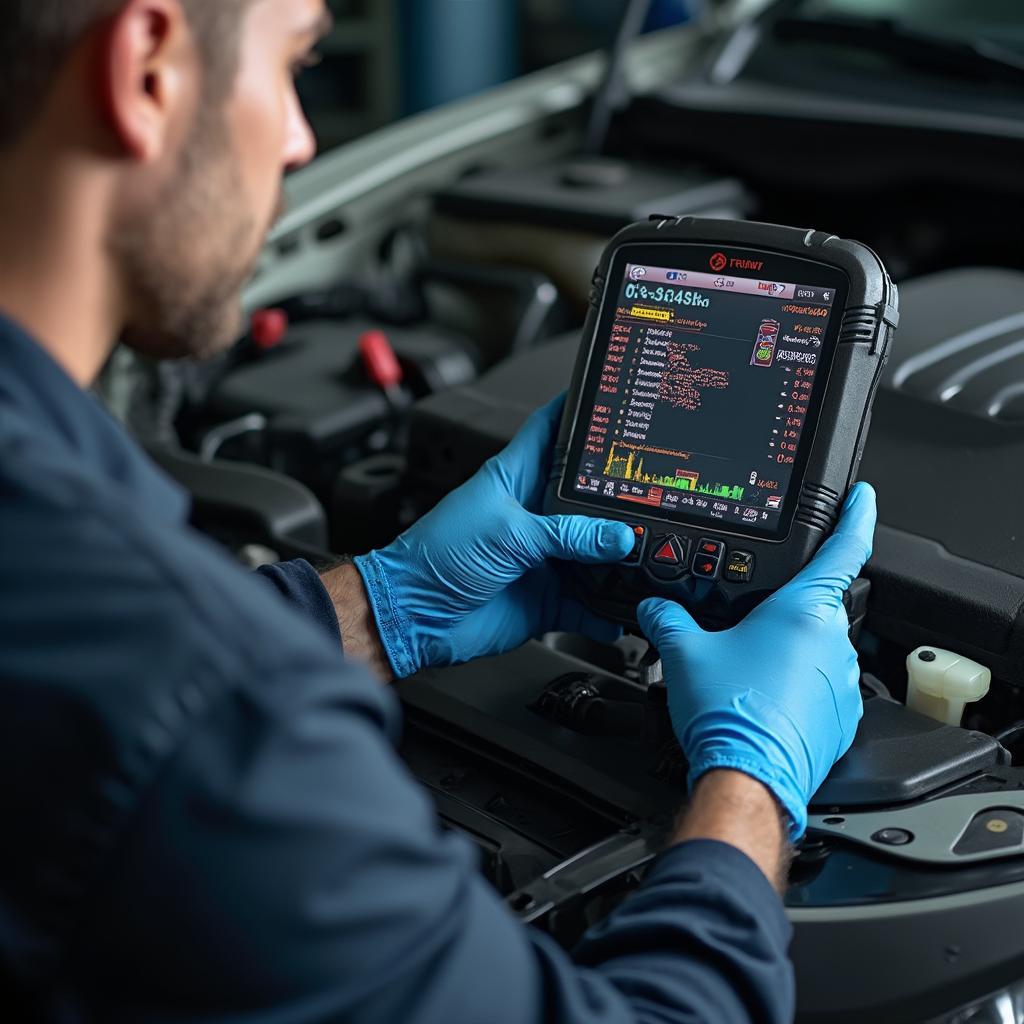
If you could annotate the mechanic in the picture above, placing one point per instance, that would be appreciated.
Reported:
(204, 815)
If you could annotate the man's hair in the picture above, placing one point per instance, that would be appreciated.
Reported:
(37, 36)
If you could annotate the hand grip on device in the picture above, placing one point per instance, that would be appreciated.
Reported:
(777, 696)
(476, 576)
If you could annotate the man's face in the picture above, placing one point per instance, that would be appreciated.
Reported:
(186, 257)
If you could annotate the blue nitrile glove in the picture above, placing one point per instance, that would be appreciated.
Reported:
(777, 696)
(474, 577)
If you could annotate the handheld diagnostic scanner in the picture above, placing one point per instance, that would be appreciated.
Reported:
(720, 406)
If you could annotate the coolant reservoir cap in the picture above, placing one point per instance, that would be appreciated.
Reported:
(944, 674)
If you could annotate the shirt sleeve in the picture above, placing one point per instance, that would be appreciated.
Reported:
(300, 584)
(286, 868)
(706, 933)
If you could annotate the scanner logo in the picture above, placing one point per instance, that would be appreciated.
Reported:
(719, 261)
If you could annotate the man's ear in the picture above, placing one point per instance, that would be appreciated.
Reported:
(149, 73)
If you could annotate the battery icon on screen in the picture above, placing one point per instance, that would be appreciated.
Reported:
(767, 339)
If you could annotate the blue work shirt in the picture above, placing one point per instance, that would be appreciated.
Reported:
(204, 817)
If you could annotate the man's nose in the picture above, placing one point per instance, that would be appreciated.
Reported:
(300, 143)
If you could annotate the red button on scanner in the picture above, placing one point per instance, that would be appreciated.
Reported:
(668, 558)
(640, 533)
(666, 554)
(707, 563)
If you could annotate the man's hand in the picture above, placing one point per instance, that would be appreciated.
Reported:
(777, 697)
(476, 576)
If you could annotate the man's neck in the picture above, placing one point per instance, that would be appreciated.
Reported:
(54, 277)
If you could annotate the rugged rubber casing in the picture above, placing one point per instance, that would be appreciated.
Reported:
(859, 340)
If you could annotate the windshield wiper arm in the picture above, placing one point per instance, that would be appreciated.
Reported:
(977, 58)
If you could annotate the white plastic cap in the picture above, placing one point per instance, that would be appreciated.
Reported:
(940, 683)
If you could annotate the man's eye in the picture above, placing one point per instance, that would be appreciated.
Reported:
(304, 63)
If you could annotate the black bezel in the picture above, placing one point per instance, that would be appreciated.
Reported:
(776, 266)
(867, 320)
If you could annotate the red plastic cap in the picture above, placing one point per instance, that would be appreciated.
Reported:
(269, 328)
(380, 360)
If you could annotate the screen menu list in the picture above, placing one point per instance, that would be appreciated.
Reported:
(703, 395)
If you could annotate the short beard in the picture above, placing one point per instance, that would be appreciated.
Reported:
(182, 265)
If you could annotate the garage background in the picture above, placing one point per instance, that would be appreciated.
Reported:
(389, 58)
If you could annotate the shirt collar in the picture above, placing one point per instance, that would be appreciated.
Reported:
(36, 389)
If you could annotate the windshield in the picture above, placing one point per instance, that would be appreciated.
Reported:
(996, 21)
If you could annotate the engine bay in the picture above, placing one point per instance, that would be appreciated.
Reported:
(425, 293)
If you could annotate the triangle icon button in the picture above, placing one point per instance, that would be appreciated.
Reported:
(667, 554)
